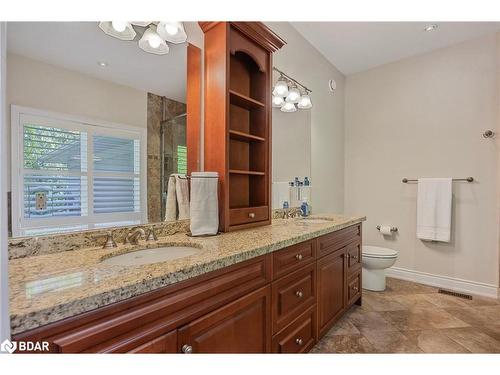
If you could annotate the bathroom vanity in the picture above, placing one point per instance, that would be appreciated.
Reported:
(276, 289)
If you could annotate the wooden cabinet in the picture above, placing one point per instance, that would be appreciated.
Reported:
(164, 344)
(243, 326)
(281, 302)
(238, 73)
(332, 298)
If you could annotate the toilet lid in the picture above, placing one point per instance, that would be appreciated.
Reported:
(379, 252)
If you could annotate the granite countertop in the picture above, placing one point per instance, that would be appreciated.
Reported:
(51, 287)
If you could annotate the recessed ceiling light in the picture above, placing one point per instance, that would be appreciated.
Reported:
(430, 27)
(102, 64)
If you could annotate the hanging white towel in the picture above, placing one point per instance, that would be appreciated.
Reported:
(204, 203)
(171, 201)
(182, 192)
(434, 209)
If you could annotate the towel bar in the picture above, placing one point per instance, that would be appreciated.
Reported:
(467, 179)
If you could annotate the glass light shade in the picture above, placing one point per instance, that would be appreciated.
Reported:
(305, 102)
(278, 101)
(140, 23)
(293, 95)
(151, 42)
(288, 107)
(281, 88)
(172, 32)
(127, 33)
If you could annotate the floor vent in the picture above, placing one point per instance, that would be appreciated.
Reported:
(455, 294)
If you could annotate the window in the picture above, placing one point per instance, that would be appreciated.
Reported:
(69, 174)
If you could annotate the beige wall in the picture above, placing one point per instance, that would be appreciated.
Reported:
(303, 62)
(424, 117)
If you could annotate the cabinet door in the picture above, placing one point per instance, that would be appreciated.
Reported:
(242, 326)
(164, 344)
(331, 274)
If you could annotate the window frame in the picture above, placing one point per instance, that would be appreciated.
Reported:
(92, 126)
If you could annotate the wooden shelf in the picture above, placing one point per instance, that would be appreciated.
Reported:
(244, 101)
(246, 137)
(250, 173)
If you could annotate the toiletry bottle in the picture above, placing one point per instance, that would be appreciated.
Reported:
(305, 208)
(286, 205)
(297, 181)
(306, 181)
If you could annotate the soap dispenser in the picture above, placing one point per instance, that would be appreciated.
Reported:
(305, 208)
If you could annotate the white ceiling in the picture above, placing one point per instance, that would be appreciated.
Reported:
(357, 46)
(78, 46)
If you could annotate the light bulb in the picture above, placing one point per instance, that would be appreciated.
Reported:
(119, 26)
(281, 88)
(304, 102)
(288, 107)
(171, 29)
(154, 40)
(277, 101)
(293, 95)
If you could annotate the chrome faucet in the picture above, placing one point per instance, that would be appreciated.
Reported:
(134, 235)
(110, 242)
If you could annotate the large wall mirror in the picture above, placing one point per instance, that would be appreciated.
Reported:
(98, 124)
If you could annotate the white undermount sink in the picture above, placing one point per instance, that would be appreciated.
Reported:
(150, 256)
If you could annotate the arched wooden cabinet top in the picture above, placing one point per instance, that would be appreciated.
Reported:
(237, 144)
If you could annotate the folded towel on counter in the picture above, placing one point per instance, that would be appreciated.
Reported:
(171, 201)
(182, 193)
(434, 209)
(204, 203)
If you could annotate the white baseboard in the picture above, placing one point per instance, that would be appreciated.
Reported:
(450, 283)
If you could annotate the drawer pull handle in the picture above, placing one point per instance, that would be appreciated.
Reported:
(355, 288)
(187, 349)
(299, 294)
(298, 256)
(251, 215)
(298, 341)
(355, 257)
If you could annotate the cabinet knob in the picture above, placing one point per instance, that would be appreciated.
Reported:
(251, 215)
(299, 294)
(187, 349)
(355, 288)
(298, 341)
(355, 257)
(298, 256)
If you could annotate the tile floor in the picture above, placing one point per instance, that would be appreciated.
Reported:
(415, 318)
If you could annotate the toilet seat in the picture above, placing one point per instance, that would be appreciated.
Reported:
(379, 252)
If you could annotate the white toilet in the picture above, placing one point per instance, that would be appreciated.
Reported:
(375, 261)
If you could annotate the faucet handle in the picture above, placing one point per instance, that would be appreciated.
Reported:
(110, 242)
(151, 235)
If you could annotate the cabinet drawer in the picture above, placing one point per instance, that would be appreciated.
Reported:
(163, 344)
(354, 288)
(248, 215)
(353, 253)
(298, 337)
(293, 257)
(329, 243)
(292, 294)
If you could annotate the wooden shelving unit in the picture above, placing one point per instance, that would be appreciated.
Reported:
(238, 64)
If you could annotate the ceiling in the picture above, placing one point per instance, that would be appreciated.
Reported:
(79, 46)
(357, 46)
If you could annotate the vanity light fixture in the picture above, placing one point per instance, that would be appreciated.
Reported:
(152, 42)
(430, 27)
(153, 35)
(118, 29)
(288, 107)
(289, 94)
(172, 32)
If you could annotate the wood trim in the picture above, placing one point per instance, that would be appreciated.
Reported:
(193, 105)
(257, 31)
